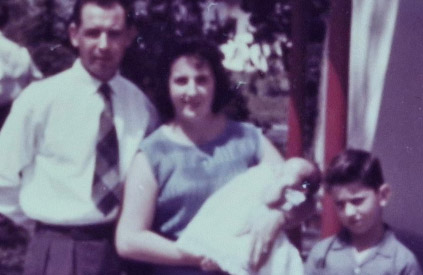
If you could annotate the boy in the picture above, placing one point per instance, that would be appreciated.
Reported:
(365, 244)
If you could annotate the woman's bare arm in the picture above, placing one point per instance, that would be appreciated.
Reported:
(134, 238)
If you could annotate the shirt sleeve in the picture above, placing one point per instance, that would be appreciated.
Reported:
(256, 136)
(18, 141)
(315, 262)
(154, 121)
(412, 267)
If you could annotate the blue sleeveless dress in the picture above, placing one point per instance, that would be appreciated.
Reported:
(188, 175)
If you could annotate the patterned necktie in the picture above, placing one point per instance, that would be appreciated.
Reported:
(106, 190)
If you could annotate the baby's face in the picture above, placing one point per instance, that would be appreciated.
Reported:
(297, 181)
(301, 175)
(300, 180)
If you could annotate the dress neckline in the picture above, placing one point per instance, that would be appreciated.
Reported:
(166, 131)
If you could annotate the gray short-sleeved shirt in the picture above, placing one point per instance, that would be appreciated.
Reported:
(334, 255)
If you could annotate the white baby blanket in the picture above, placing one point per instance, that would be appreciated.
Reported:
(214, 231)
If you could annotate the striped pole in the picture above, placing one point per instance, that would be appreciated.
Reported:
(337, 98)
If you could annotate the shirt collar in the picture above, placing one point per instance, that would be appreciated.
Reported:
(342, 240)
(384, 247)
(86, 79)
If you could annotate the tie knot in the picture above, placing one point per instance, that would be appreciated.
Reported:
(105, 91)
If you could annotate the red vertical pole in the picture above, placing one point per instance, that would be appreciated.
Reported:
(337, 98)
(296, 100)
(297, 75)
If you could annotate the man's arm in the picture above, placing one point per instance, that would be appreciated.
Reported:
(18, 141)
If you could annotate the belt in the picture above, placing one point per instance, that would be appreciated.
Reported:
(81, 232)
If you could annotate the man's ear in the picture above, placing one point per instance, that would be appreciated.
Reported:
(384, 194)
(73, 34)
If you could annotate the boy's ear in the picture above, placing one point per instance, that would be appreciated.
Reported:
(384, 194)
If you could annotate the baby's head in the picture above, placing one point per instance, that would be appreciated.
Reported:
(301, 175)
(355, 181)
(296, 183)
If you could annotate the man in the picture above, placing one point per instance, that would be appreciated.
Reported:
(67, 144)
(16, 67)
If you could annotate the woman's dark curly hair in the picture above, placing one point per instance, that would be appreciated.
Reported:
(202, 50)
(4, 14)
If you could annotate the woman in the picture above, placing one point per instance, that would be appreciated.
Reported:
(182, 163)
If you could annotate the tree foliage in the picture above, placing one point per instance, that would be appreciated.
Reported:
(41, 25)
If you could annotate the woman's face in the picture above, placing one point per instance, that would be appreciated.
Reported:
(191, 88)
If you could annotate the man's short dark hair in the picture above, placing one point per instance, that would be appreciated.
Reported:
(4, 14)
(204, 50)
(354, 165)
(126, 4)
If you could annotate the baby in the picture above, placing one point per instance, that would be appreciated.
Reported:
(214, 232)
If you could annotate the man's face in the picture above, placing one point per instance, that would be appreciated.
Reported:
(359, 207)
(101, 38)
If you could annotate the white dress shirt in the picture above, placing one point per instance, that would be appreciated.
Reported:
(47, 146)
(16, 70)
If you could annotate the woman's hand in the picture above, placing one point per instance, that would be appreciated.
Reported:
(264, 226)
(207, 264)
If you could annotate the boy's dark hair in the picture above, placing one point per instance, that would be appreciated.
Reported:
(126, 4)
(4, 14)
(354, 165)
(203, 50)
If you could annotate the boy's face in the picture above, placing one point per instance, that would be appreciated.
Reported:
(359, 207)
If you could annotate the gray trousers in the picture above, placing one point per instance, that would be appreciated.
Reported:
(60, 250)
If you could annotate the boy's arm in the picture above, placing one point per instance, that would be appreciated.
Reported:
(411, 267)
